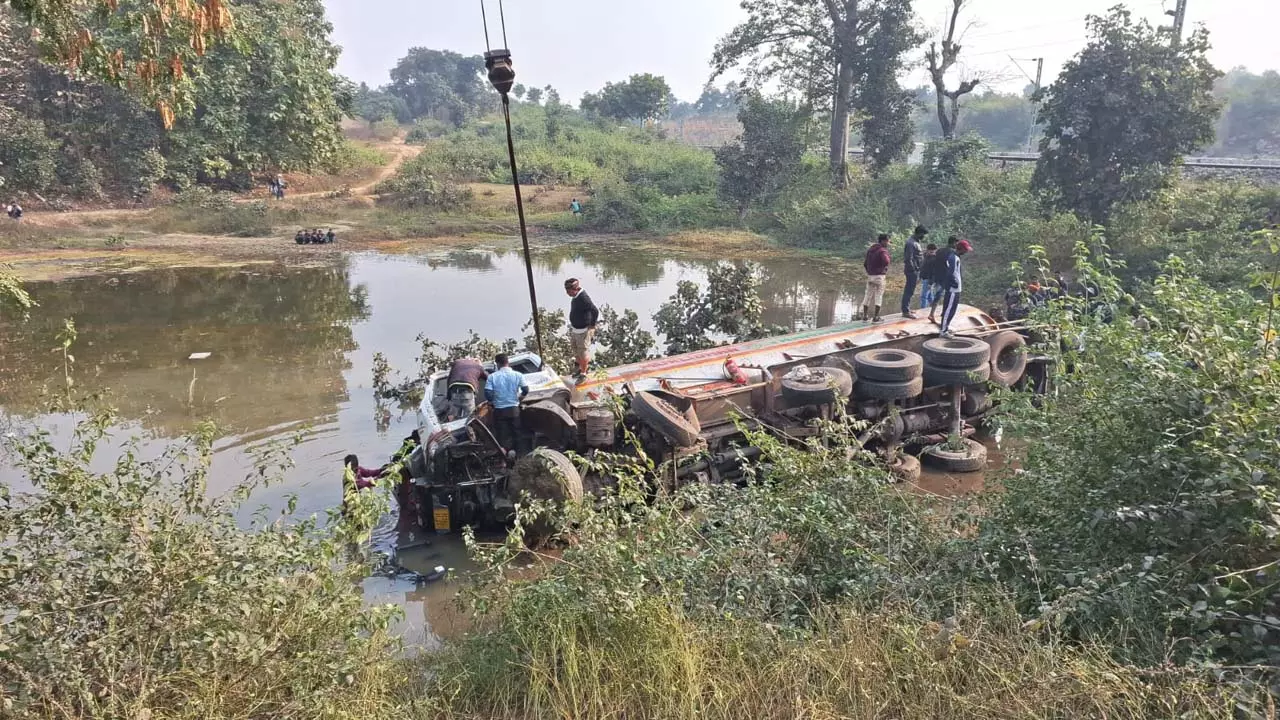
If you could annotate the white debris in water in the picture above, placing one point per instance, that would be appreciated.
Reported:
(199, 356)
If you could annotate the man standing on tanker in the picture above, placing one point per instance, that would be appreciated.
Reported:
(876, 264)
(583, 317)
(912, 263)
(952, 283)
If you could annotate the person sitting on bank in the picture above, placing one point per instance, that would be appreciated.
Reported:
(505, 388)
(467, 378)
(575, 207)
(329, 237)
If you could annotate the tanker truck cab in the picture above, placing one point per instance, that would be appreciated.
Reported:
(461, 472)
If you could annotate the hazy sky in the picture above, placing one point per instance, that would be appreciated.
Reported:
(578, 45)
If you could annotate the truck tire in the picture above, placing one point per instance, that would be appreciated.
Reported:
(665, 419)
(839, 363)
(975, 402)
(545, 474)
(823, 386)
(939, 377)
(888, 366)
(873, 390)
(1008, 358)
(960, 352)
(905, 468)
(972, 459)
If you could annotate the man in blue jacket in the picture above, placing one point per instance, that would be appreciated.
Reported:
(952, 283)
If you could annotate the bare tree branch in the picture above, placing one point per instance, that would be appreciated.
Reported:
(948, 101)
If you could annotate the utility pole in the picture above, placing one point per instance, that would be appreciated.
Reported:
(1179, 15)
(1031, 133)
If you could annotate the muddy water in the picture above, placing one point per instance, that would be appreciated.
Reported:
(291, 353)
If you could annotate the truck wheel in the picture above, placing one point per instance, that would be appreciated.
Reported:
(662, 417)
(888, 366)
(938, 377)
(873, 390)
(1008, 358)
(545, 474)
(840, 363)
(822, 386)
(972, 459)
(905, 468)
(975, 403)
(957, 352)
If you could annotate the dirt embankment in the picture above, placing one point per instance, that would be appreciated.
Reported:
(50, 245)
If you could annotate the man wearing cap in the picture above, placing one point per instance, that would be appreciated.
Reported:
(952, 284)
(912, 261)
(877, 265)
(583, 317)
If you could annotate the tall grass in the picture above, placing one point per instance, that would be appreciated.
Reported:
(654, 662)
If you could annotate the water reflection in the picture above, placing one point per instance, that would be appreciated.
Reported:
(278, 343)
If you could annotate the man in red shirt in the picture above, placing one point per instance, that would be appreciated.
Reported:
(877, 265)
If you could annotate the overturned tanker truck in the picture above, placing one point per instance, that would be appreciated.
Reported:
(919, 390)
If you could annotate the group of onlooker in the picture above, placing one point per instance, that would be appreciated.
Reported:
(936, 271)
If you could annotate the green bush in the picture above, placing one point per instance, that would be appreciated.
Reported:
(636, 180)
(353, 157)
(422, 183)
(1145, 510)
(202, 211)
(136, 592)
(425, 129)
(82, 177)
(28, 157)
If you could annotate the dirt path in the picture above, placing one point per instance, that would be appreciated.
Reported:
(403, 153)
(400, 152)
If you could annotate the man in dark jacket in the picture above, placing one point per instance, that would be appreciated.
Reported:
(912, 263)
(937, 275)
(952, 283)
(466, 379)
(877, 265)
(583, 316)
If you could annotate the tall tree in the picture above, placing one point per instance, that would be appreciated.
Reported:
(758, 164)
(276, 105)
(441, 84)
(535, 95)
(941, 61)
(1122, 114)
(640, 98)
(804, 43)
(1251, 124)
(147, 46)
(715, 101)
(374, 106)
(554, 112)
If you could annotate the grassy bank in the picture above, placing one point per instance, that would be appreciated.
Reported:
(654, 662)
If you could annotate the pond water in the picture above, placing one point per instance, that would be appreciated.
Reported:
(291, 348)
(291, 352)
